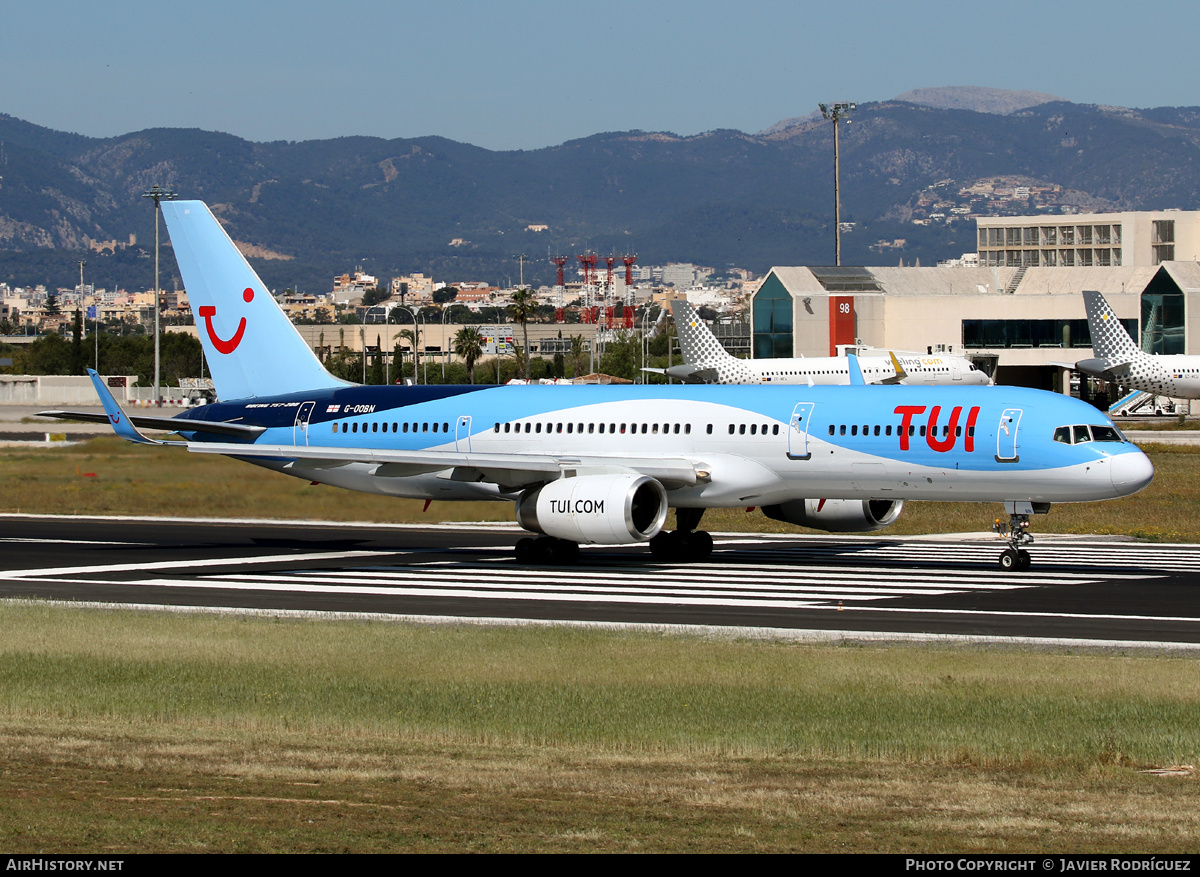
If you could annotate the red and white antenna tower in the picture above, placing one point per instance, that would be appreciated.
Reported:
(629, 261)
(589, 261)
(559, 261)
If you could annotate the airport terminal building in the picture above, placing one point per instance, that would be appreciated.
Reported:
(1018, 314)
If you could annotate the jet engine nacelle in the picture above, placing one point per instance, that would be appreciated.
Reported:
(837, 515)
(604, 509)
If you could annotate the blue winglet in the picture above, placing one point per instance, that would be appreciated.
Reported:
(116, 416)
(856, 375)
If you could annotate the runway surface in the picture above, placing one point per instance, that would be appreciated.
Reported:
(1079, 590)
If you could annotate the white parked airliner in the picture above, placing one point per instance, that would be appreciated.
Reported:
(707, 362)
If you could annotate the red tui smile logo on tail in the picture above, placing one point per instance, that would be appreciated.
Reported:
(223, 346)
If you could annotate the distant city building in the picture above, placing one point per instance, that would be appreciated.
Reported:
(684, 274)
(347, 288)
(413, 288)
(1142, 238)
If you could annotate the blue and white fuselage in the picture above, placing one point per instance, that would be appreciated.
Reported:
(743, 445)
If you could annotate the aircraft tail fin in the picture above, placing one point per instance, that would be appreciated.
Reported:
(1110, 341)
(703, 351)
(856, 375)
(251, 347)
(697, 342)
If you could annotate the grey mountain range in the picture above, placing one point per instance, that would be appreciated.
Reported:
(309, 210)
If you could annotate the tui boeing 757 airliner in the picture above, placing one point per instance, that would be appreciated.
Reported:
(604, 464)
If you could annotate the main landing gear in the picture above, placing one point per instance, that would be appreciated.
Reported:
(675, 546)
(547, 549)
(1016, 533)
(685, 543)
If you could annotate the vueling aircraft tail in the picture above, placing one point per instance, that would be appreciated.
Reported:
(1110, 341)
(251, 347)
(702, 351)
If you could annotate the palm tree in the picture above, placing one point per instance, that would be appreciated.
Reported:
(524, 306)
(468, 346)
(576, 355)
(409, 335)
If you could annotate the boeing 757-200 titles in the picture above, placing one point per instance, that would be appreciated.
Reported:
(603, 464)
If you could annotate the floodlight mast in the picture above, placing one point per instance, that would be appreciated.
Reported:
(158, 194)
(833, 113)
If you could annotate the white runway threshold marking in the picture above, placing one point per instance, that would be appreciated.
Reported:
(784, 578)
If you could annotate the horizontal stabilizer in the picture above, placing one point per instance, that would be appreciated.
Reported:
(1103, 368)
(171, 424)
(116, 417)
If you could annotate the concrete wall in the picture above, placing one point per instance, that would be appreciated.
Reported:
(58, 390)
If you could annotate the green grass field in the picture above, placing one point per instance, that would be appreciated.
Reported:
(166, 732)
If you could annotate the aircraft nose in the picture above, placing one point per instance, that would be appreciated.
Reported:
(1130, 472)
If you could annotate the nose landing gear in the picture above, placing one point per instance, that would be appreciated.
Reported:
(1016, 533)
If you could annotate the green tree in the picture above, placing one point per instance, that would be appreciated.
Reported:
(468, 346)
(524, 306)
(576, 355)
(621, 357)
(374, 296)
(77, 343)
(375, 373)
(413, 337)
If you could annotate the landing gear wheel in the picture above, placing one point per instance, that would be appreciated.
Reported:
(526, 550)
(665, 545)
(1015, 533)
(698, 545)
(547, 549)
(1009, 559)
(564, 552)
(681, 546)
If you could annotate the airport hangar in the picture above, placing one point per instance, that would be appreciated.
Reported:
(1017, 313)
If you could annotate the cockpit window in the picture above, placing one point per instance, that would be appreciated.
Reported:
(1107, 434)
(1080, 433)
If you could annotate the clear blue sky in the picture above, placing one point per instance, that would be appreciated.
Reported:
(522, 74)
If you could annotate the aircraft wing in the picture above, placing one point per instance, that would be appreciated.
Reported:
(508, 470)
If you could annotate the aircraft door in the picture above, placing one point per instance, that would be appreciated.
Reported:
(956, 373)
(462, 433)
(300, 427)
(1006, 436)
(798, 432)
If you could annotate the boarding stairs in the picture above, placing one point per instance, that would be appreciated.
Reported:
(1133, 402)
